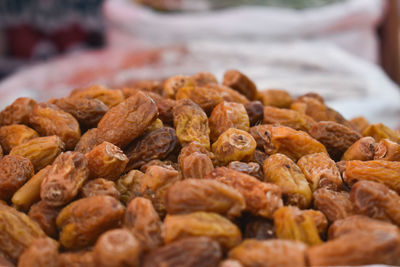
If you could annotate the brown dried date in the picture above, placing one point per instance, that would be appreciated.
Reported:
(387, 150)
(191, 148)
(81, 258)
(255, 111)
(109, 97)
(143, 221)
(362, 149)
(99, 187)
(14, 135)
(42, 252)
(18, 112)
(196, 165)
(275, 98)
(157, 144)
(117, 247)
(48, 119)
(186, 252)
(172, 85)
(240, 83)
(65, 177)
(202, 96)
(129, 185)
(191, 123)
(192, 195)
(261, 198)
(106, 160)
(45, 216)
(41, 151)
(200, 223)
(251, 168)
(14, 172)
(17, 231)
(165, 107)
(128, 92)
(269, 253)
(335, 205)
(87, 142)
(288, 117)
(359, 123)
(204, 78)
(84, 220)
(228, 115)
(149, 86)
(380, 131)
(126, 121)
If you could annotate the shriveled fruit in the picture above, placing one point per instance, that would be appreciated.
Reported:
(14, 172)
(129, 185)
(148, 86)
(380, 131)
(172, 85)
(381, 171)
(81, 258)
(234, 144)
(359, 123)
(42, 252)
(320, 220)
(202, 96)
(228, 115)
(126, 121)
(227, 93)
(293, 224)
(99, 187)
(272, 252)
(203, 195)
(191, 148)
(14, 135)
(17, 231)
(106, 160)
(204, 78)
(191, 123)
(387, 150)
(165, 107)
(363, 149)
(376, 201)
(320, 171)
(143, 221)
(108, 96)
(128, 92)
(255, 111)
(240, 83)
(84, 220)
(65, 177)
(261, 198)
(117, 247)
(45, 216)
(18, 112)
(335, 205)
(157, 144)
(41, 151)
(87, 142)
(48, 119)
(288, 117)
(196, 165)
(282, 171)
(275, 98)
(186, 252)
(201, 223)
(251, 168)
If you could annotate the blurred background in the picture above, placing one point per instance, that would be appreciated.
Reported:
(346, 50)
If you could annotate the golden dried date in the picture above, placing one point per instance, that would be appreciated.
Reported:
(106, 160)
(48, 119)
(270, 253)
(143, 221)
(282, 171)
(192, 195)
(335, 205)
(227, 93)
(117, 247)
(100, 187)
(84, 220)
(240, 83)
(129, 185)
(275, 98)
(191, 123)
(288, 117)
(172, 85)
(196, 165)
(387, 150)
(18, 112)
(362, 149)
(109, 97)
(204, 78)
(204, 97)
(261, 198)
(42, 252)
(157, 144)
(14, 172)
(128, 120)
(41, 151)
(359, 123)
(87, 142)
(45, 216)
(380, 131)
(81, 258)
(186, 252)
(228, 115)
(65, 177)
(14, 135)
(201, 223)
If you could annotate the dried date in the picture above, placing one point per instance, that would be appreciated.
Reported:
(288, 117)
(363, 149)
(275, 98)
(99, 187)
(109, 97)
(196, 165)
(42, 252)
(14, 135)
(172, 85)
(87, 142)
(202, 96)
(240, 83)
(45, 216)
(380, 131)
(335, 205)
(251, 168)
(129, 185)
(18, 112)
(387, 150)
(255, 111)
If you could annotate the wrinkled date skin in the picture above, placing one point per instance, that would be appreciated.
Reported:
(201, 223)
(48, 119)
(65, 177)
(376, 201)
(202, 96)
(203, 195)
(261, 198)
(251, 168)
(234, 145)
(228, 115)
(109, 97)
(320, 171)
(186, 252)
(363, 149)
(81, 258)
(275, 98)
(117, 247)
(381, 171)
(165, 107)
(282, 171)
(157, 144)
(196, 165)
(387, 150)
(174, 83)
(191, 123)
(359, 123)
(128, 120)
(106, 160)
(14, 172)
(100, 187)
(380, 131)
(241, 83)
(227, 93)
(42, 252)
(18, 112)
(87, 142)
(14, 135)
(270, 253)
(335, 205)
(192, 148)
(129, 185)
(41, 151)
(17, 231)
(288, 117)
(45, 216)
(82, 221)
(143, 221)
(336, 137)
(204, 78)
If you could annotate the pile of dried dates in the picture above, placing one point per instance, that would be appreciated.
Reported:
(192, 172)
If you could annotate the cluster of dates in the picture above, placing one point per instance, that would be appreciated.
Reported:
(190, 172)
